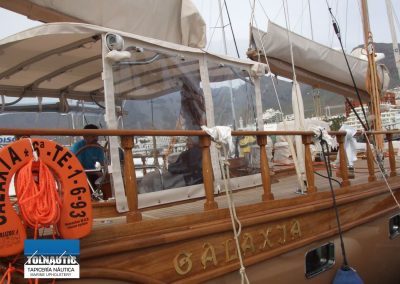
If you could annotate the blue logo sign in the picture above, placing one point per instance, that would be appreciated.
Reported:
(51, 258)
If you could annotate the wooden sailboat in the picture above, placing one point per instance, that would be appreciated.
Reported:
(184, 233)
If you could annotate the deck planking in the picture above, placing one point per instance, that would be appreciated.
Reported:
(286, 187)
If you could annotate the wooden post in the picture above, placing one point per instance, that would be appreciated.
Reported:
(392, 157)
(208, 178)
(343, 161)
(264, 166)
(370, 162)
(130, 180)
(307, 141)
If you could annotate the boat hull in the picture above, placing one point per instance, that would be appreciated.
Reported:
(275, 238)
(369, 250)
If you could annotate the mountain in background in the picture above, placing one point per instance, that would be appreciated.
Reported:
(163, 112)
(334, 101)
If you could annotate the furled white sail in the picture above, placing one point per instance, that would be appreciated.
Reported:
(316, 64)
(176, 21)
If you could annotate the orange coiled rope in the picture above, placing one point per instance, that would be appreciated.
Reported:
(8, 273)
(39, 202)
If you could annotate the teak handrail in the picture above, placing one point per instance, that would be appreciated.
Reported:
(392, 158)
(127, 143)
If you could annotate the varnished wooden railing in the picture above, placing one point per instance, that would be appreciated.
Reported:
(392, 157)
(264, 168)
(127, 138)
(130, 179)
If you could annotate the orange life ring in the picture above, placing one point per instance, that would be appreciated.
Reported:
(76, 215)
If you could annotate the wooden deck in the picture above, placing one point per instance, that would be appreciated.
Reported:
(285, 188)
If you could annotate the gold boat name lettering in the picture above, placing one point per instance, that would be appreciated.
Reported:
(183, 263)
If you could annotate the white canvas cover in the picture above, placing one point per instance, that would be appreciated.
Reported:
(175, 21)
(281, 147)
(64, 60)
(315, 63)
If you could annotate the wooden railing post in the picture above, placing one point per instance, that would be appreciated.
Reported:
(307, 141)
(208, 178)
(392, 157)
(343, 161)
(264, 166)
(370, 161)
(130, 180)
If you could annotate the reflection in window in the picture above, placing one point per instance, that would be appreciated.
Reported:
(233, 97)
(320, 259)
(162, 91)
(234, 106)
(394, 226)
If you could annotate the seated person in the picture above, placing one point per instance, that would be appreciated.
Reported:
(186, 170)
(88, 157)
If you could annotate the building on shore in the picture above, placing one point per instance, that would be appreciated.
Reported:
(390, 111)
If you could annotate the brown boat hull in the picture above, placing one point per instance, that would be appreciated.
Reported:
(275, 237)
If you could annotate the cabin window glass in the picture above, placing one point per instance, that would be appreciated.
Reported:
(76, 118)
(394, 226)
(162, 91)
(320, 259)
(233, 95)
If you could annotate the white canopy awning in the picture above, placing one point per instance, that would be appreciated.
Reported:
(64, 61)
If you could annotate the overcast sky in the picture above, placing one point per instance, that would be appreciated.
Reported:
(347, 13)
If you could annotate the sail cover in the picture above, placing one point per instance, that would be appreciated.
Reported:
(316, 64)
(176, 21)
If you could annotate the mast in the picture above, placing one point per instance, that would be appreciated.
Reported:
(372, 78)
(389, 8)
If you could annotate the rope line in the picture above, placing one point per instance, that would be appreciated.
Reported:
(291, 146)
(286, 10)
(329, 172)
(8, 273)
(236, 225)
(38, 200)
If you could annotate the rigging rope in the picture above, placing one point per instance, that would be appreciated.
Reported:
(289, 141)
(345, 32)
(262, 7)
(329, 173)
(337, 31)
(337, 7)
(212, 35)
(230, 25)
(224, 164)
(397, 19)
(366, 125)
(301, 17)
(309, 13)
(300, 112)
(285, 6)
